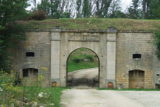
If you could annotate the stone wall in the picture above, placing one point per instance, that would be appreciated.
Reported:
(129, 44)
(39, 43)
(115, 51)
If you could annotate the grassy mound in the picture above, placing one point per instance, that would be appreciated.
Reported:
(94, 24)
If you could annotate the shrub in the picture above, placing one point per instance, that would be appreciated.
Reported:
(157, 43)
(76, 60)
(90, 58)
(38, 15)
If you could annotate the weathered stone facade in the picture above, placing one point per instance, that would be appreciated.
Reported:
(114, 49)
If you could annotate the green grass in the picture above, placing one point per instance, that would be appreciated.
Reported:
(55, 94)
(76, 60)
(82, 65)
(122, 24)
(30, 95)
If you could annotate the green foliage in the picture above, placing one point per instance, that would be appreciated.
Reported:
(76, 60)
(10, 32)
(102, 7)
(82, 59)
(23, 96)
(82, 65)
(90, 57)
(150, 9)
(134, 11)
(86, 9)
(65, 15)
(47, 97)
(79, 3)
(45, 6)
(157, 43)
(155, 9)
(51, 8)
(115, 9)
(38, 15)
(96, 24)
(8, 93)
(11, 10)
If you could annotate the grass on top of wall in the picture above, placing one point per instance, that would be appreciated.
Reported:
(122, 24)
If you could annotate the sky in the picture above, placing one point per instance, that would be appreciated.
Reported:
(124, 4)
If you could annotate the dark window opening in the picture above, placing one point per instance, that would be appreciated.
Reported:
(30, 54)
(136, 56)
(34, 72)
(30, 72)
(25, 73)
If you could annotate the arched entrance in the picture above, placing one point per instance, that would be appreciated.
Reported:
(82, 68)
(136, 79)
(65, 42)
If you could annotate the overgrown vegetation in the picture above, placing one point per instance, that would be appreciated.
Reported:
(23, 96)
(98, 24)
(10, 32)
(157, 43)
(82, 59)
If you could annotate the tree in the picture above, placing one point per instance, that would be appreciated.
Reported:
(86, 11)
(45, 6)
(54, 8)
(154, 9)
(79, 3)
(34, 3)
(157, 43)
(134, 11)
(10, 33)
(51, 8)
(102, 7)
(146, 8)
(115, 9)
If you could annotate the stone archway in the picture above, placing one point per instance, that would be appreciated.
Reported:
(136, 79)
(83, 68)
(103, 44)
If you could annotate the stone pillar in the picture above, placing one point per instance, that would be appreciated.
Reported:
(111, 58)
(63, 58)
(55, 58)
(103, 61)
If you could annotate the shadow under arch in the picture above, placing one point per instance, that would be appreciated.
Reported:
(136, 78)
(94, 82)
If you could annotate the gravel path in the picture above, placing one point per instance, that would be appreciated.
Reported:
(96, 98)
(84, 73)
(105, 98)
(146, 98)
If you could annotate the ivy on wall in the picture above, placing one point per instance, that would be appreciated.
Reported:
(157, 43)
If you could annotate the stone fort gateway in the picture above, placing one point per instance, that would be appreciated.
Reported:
(126, 59)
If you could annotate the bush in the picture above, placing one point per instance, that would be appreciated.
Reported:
(77, 60)
(38, 15)
(157, 43)
(9, 94)
(90, 58)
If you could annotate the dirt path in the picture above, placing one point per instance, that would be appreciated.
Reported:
(84, 73)
(95, 98)
(104, 98)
